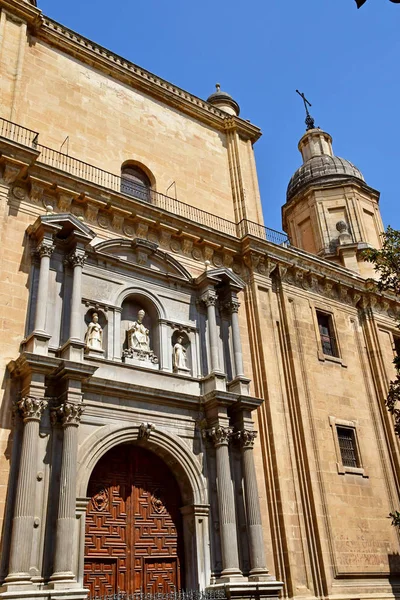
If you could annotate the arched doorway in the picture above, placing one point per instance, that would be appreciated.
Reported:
(133, 538)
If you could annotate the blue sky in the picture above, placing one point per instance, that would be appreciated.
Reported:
(345, 60)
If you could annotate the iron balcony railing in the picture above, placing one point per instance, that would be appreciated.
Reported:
(78, 168)
(186, 595)
(18, 134)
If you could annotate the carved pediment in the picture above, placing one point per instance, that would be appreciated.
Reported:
(144, 254)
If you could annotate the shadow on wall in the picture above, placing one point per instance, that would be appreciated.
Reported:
(394, 569)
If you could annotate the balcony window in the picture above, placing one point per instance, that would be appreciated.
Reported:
(134, 182)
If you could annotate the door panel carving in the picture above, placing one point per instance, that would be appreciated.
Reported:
(133, 525)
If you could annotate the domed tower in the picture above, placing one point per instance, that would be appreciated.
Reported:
(330, 210)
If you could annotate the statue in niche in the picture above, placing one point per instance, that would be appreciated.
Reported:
(179, 356)
(138, 334)
(139, 342)
(94, 334)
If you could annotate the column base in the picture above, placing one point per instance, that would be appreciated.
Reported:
(260, 575)
(67, 593)
(72, 350)
(243, 590)
(17, 583)
(37, 343)
(214, 381)
(239, 385)
(60, 581)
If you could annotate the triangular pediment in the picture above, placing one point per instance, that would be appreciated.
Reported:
(223, 276)
(63, 226)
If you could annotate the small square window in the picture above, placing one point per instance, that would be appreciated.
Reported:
(348, 446)
(327, 334)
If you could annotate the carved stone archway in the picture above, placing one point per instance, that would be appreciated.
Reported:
(187, 471)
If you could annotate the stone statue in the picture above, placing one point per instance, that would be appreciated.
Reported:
(179, 356)
(138, 334)
(94, 334)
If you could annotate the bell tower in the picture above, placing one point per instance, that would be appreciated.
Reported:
(330, 210)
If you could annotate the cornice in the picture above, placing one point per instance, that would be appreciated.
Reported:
(291, 268)
(123, 70)
(24, 11)
(248, 257)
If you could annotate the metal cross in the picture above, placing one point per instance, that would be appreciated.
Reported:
(309, 120)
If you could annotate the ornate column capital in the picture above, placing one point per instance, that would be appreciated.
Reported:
(76, 258)
(66, 414)
(209, 298)
(246, 438)
(232, 306)
(220, 436)
(45, 248)
(31, 408)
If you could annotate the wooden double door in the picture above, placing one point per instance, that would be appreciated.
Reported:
(133, 538)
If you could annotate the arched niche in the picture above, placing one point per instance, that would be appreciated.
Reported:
(131, 305)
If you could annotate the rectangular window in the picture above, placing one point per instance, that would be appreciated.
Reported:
(348, 447)
(327, 333)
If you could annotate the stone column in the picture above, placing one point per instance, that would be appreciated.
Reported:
(258, 569)
(69, 414)
(77, 260)
(226, 502)
(233, 307)
(210, 300)
(31, 409)
(44, 250)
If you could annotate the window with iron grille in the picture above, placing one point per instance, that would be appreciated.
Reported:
(327, 334)
(134, 182)
(348, 447)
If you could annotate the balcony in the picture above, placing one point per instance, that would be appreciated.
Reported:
(85, 172)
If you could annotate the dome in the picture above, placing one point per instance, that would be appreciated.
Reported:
(322, 167)
(223, 99)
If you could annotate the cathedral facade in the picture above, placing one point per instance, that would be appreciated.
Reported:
(190, 400)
